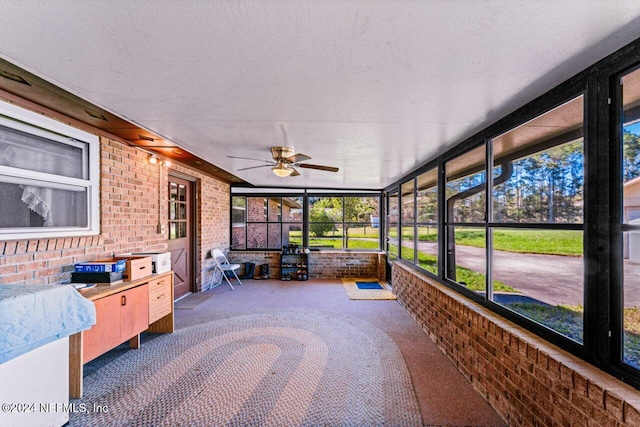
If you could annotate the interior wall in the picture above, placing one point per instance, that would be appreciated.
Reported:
(133, 200)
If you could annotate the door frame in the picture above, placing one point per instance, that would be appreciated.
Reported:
(195, 222)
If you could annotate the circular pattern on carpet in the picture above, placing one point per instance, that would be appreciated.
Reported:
(281, 368)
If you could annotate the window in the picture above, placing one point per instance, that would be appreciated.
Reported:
(266, 222)
(427, 220)
(49, 177)
(465, 219)
(344, 222)
(630, 216)
(538, 181)
(334, 222)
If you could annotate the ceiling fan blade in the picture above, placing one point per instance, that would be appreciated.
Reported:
(250, 158)
(297, 158)
(318, 167)
(295, 172)
(255, 167)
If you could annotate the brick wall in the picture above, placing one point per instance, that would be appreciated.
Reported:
(129, 215)
(529, 381)
(322, 265)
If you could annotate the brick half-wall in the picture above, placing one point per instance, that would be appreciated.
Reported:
(529, 381)
(322, 265)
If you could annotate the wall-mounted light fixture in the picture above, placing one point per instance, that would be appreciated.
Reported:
(153, 159)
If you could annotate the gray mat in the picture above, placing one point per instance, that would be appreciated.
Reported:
(281, 368)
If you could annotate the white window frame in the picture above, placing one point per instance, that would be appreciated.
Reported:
(27, 121)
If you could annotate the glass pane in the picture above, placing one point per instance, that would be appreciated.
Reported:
(182, 230)
(182, 193)
(275, 209)
(292, 209)
(392, 224)
(427, 197)
(631, 217)
(538, 168)
(32, 206)
(408, 242)
(325, 209)
(275, 236)
(238, 209)
(539, 274)
(256, 209)
(182, 211)
(428, 247)
(238, 236)
(173, 230)
(26, 151)
(466, 187)
(256, 236)
(362, 209)
(466, 257)
(173, 191)
(292, 234)
(362, 236)
(407, 200)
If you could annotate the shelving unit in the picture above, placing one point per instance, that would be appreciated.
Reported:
(294, 266)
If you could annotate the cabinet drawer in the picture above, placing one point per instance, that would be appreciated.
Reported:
(160, 301)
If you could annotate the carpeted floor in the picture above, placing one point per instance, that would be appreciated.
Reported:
(287, 367)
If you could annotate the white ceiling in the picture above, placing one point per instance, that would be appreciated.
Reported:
(376, 88)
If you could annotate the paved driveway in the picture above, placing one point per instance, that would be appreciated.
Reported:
(550, 278)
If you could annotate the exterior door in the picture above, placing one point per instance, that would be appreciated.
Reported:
(181, 234)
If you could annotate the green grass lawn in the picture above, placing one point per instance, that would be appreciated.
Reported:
(549, 242)
(473, 280)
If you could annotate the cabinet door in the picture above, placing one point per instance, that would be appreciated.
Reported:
(105, 334)
(134, 311)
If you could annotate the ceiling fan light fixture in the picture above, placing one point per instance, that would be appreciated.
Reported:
(282, 170)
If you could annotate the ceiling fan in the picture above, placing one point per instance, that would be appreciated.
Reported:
(285, 161)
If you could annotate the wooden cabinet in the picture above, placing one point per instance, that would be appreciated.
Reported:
(160, 298)
(122, 312)
(119, 317)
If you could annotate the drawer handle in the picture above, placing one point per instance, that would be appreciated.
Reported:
(160, 282)
(160, 296)
(142, 267)
(123, 300)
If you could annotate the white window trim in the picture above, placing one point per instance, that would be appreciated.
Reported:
(27, 121)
